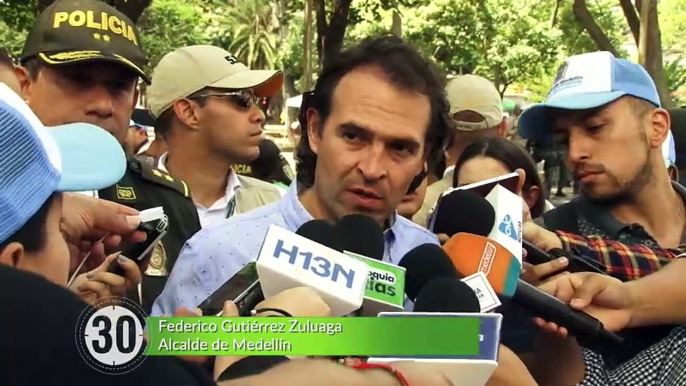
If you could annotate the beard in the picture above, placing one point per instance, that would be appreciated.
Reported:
(625, 192)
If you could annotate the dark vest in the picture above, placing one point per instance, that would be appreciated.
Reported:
(144, 187)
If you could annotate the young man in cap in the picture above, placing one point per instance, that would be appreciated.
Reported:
(205, 105)
(477, 110)
(81, 63)
(606, 113)
(611, 125)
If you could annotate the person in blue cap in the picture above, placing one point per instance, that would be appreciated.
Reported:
(37, 164)
(607, 114)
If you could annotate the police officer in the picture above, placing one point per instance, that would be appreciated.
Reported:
(81, 62)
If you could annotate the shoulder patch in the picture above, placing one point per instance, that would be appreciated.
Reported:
(158, 176)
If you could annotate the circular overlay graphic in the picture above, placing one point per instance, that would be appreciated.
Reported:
(109, 335)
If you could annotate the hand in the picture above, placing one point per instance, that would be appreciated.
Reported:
(185, 312)
(442, 238)
(533, 274)
(603, 297)
(223, 362)
(540, 237)
(87, 220)
(299, 302)
(99, 283)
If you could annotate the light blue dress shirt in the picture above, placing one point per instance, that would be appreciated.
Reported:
(217, 252)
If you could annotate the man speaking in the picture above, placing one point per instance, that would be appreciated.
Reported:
(374, 117)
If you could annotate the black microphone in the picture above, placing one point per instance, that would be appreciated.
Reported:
(424, 264)
(463, 211)
(587, 329)
(535, 255)
(361, 235)
(447, 294)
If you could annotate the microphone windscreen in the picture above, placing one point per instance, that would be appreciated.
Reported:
(319, 231)
(360, 234)
(464, 211)
(447, 294)
(423, 264)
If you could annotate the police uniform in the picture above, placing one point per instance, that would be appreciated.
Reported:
(83, 31)
(144, 187)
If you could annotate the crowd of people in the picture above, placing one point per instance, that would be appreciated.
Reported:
(381, 134)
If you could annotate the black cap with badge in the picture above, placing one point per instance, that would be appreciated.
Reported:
(72, 31)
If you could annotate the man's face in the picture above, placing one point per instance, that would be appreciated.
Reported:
(102, 94)
(135, 137)
(231, 124)
(609, 149)
(52, 261)
(9, 77)
(371, 146)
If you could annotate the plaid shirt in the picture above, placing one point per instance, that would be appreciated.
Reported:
(626, 262)
(663, 364)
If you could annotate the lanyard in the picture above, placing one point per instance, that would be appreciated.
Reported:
(232, 206)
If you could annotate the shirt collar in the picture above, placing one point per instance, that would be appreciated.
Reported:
(601, 216)
(295, 214)
(449, 171)
(232, 182)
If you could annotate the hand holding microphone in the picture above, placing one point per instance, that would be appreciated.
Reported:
(603, 297)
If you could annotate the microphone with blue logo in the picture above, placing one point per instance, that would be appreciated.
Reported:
(491, 269)
(432, 283)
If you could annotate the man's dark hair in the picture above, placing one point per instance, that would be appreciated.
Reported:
(404, 67)
(32, 235)
(164, 122)
(6, 58)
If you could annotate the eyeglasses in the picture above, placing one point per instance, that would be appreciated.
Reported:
(243, 99)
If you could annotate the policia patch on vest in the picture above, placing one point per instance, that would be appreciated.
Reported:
(71, 31)
(144, 187)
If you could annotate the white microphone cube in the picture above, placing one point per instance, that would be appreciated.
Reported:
(507, 230)
(287, 260)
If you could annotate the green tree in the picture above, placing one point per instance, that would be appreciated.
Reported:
(171, 24)
(248, 29)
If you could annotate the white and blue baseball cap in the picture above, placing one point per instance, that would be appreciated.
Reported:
(36, 161)
(588, 81)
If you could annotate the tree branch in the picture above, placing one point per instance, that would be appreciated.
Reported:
(631, 19)
(336, 31)
(320, 12)
(586, 20)
(553, 16)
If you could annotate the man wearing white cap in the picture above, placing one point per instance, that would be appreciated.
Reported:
(205, 105)
(477, 110)
(606, 112)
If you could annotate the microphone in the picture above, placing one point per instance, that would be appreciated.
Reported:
(319, 231)
(467, 251)
(463, 211)
(287, 260)
(446, 294)
(423, 264)
(536, 256)
(361, 237)
(244, 288)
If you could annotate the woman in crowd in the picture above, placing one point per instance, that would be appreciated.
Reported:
(490, 157)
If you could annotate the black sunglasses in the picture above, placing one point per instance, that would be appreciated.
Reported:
(243, 99)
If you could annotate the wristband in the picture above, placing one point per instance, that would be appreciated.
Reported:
(382, 366)
(277, 310)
